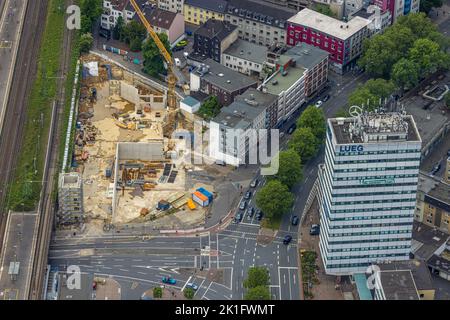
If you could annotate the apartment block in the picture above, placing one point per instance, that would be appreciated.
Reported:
(199, 11)
(245, 57)
(70, 199)
(175, 6)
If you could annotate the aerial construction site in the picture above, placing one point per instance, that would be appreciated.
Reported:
(125, 166)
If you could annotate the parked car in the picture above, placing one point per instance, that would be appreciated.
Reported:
(248, 195)
(258, 215)
(238, 217)
(250, 212)
(314, 230)
(243, 205)
(436, 168)
(104, 33)
(169, 280)
(326, 98)
(319, 104)
(287, 239)
(182, 43)
(191, 285)
(292, 128)
(294, 220)
(254, 183)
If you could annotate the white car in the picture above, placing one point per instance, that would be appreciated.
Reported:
(319, 104)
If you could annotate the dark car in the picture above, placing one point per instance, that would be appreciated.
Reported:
(258, 214)
(254, 183)
(248, 195)
(294, 220)
(287, 239)
(250, 212)
(243, 205)
(326, 98)
(238, 217)
(314, 230)
(292, 128)
(104, 33)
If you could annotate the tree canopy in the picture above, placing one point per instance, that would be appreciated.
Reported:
(86, 41)
(290, 168)
(405, 74)
(274, 199)
(90, 12)
(405, 39)
(153, 60)
(304, 143)
(258, 293)
(324, 9)
(134, 33)
(313, 118)
(371, 93)
(209, 108)
(257, 276)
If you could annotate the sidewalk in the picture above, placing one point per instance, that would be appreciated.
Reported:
(439, 15)
(325, 289)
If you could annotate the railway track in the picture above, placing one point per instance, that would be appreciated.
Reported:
(15, 114)
(46, 207)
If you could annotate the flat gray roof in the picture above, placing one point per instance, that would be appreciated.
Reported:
(426, 240)
(435, 188)
(279, 83)
(441, 262)
(248, 51)
(306, 55)
(224, 77)
(398, 285)
(418, 268)
(375, 124)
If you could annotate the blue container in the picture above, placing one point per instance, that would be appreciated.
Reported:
(206, 193)
(108, 173)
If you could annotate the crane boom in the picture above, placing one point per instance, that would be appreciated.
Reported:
(171, 78)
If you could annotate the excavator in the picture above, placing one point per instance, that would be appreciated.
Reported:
(171, 78)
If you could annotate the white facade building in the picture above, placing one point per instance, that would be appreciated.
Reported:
(368, 190)
(112, 10)
(175, 6)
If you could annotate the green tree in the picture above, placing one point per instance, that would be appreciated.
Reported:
(405, 74)
(86, 41)
(402, 37)
(379, 55)
(304, 143)
(274, 199)
(153, 60)
(290, 168)
(118, 30)
(189, 293)
(257, 276)
(313, 118)
(371, 93)
(134, 33)
(258, 293)
(420, 25)
(209, 108)
(90, 12)
(428, 56)
(324, 9)
(157, 292)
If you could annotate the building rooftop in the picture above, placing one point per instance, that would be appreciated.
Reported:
(306, 55)
(70, 180)
(223, 77)
(248, 51)
(426, 240)
(263, 12)
(279, 82)
(328, 25)
(418, 268)
(212, 5)
(398, 285)
(429, 120)
(190, 101)
(119, 5)
(215, 28)
(245, 108)
(437, 191)
(441, 262)
(374, 128)
(157, 17)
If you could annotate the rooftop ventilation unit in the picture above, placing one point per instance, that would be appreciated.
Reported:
(228, 81)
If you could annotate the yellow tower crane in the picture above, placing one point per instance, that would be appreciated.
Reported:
(171, 78)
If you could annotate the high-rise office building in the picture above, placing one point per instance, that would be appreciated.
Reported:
(368, 190)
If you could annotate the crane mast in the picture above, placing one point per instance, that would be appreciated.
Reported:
(171, 78)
